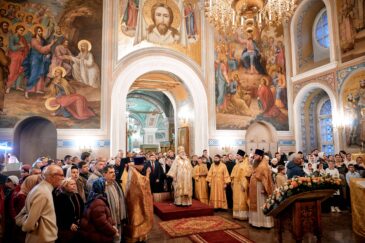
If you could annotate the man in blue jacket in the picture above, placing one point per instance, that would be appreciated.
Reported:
(294, 167)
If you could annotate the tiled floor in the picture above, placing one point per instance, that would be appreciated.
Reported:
(336, 228)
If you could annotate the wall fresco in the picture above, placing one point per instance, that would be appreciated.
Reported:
(250, 79)
(53, 50)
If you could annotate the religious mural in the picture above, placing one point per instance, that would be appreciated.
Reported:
(351, 20)
(169, 23)
(250, 79)
(54, 54)
(353, 100)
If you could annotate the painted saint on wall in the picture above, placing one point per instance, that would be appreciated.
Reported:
(54, 50)
(353, 98)
(351, 22)
(161, 31)
(167, 23)
(250, 79)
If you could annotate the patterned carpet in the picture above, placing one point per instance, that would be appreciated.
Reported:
(221, 236)
(189, 226)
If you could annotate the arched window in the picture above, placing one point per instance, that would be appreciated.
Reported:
(321, 32)
(325, 128)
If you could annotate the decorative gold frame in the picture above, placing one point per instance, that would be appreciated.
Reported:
(183, 139)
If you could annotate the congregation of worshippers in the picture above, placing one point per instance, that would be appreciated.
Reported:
(89, 199)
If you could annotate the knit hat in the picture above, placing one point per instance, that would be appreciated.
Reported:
(14, 179)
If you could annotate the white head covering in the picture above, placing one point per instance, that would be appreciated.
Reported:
(14, 179)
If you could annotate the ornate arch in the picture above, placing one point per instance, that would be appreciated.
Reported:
(151, 60)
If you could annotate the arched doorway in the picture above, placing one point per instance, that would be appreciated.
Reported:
(159, 60)
(261, 135)
(151, 119)
(35, 137)
(310, 118)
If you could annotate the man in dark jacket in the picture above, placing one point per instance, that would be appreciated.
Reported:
(157, 174)
(294, 167)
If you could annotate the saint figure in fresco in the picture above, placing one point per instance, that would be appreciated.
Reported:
(190, 20)
(221, 82)
(251, 56)
(131, 14)
(5, 33)
(59, 58)
(84, 68)
(37, 62)
(347, 30)
(267, 103)
(4, 62)
(63, 99)
(18, 51)
(161, 31)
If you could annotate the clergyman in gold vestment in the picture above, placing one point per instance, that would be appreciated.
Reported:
(139, 205)
(181, 171)
(200, 172)
(261, 186)
(239, 176)
(218, 178)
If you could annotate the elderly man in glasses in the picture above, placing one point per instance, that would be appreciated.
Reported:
(39, 218)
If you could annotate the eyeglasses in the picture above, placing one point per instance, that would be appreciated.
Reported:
(57, 174)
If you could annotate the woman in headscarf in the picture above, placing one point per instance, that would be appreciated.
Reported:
(97, 224)
(73, 172)
(19, 201)
(69, 207)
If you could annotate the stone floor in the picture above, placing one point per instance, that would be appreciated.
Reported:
(336, 228)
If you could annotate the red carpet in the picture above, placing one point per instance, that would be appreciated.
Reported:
(221, 236)
(168, 211)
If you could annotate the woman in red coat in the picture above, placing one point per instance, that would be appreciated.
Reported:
(97, 224)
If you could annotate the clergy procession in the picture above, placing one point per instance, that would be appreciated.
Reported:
(249, 179)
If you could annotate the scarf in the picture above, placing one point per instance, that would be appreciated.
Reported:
(116, 202)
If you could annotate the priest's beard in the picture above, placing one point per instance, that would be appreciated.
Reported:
(216, 162)
(256, 162)
(162, 29)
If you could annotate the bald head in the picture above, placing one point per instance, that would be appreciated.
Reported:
(54, 175)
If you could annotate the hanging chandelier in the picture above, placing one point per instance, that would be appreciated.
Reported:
(228, 16)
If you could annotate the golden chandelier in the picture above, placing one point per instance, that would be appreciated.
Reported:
(228, 16)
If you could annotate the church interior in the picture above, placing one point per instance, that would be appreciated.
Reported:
(247, 82)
